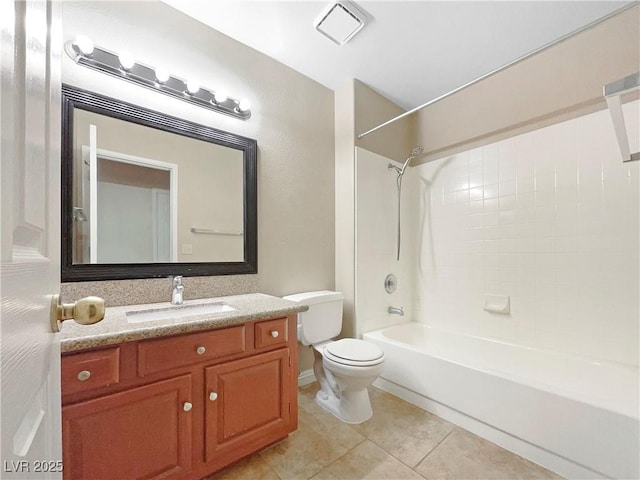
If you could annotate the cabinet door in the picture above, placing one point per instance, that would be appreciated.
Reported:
(247, 405)
(144, 432)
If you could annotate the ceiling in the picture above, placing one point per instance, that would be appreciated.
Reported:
(409, 51)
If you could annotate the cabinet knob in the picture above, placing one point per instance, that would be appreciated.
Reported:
(275, 334)
(200, 350)
(84, 375)
(213, 396)
(187, 406)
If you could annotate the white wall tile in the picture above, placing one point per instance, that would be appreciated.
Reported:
(551, 218)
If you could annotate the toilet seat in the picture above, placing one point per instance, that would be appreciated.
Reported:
(354, 353)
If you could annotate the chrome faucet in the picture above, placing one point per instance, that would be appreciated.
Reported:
(178, 289)
(396, 311)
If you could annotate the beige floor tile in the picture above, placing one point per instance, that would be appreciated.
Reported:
(463, 455)
(367, 461)
(320, 440)
(403, 430)
(253, 467)
(307, 396)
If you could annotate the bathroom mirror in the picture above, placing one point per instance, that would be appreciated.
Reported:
(146, 194)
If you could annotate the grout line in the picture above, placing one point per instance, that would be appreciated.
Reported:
(341, 456)
(413, 469)
(389, 453)
(436, 446)
(423, 476)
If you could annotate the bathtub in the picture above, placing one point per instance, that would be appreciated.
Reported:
(575, 416)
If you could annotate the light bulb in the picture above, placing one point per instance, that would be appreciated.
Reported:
(84, 44)
(126, 60)
(193, 86)
(162, 74)
(220, 96)
(244, 105)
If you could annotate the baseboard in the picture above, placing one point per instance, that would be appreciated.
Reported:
(306, 377)
(545, 458)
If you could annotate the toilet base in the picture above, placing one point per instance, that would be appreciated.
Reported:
(353, 406)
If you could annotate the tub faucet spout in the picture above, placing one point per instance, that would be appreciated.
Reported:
(178, 289)
(396, 311)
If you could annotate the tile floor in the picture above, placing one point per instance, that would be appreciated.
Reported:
(400, 441)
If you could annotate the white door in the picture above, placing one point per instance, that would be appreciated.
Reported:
(30, 238)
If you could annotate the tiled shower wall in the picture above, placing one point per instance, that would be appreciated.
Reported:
(376, 247)
(550, 218)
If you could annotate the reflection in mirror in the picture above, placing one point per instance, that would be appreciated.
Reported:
(130, 198)
(160, 198)
(143, 198)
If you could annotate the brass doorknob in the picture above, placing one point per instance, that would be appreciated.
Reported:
(86, 311)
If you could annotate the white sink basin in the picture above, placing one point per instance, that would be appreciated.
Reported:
(178, 312)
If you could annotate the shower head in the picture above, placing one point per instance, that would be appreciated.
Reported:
(414, 153)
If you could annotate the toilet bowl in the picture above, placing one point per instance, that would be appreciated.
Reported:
(344, 380)
(344, 368)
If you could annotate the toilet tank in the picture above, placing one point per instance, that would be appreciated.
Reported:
(323, 320)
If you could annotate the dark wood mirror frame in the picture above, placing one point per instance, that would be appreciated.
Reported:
(73, 98)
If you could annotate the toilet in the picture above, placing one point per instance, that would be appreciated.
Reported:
(344, 368)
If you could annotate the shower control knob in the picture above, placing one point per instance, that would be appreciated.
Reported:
(390, 283)
(275, 334)
(200, 350)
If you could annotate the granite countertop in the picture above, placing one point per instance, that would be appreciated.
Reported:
(114, 328)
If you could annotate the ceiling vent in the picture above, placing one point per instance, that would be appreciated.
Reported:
(340, 21)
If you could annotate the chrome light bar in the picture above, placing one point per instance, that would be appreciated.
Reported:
(124, 66)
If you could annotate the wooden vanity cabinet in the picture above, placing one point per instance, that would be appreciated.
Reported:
(139, 433)
(247, 405)
(145, 412)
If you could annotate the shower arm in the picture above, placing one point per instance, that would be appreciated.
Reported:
(612, 94)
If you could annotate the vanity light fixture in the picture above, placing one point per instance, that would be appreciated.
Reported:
(124, 66)
(244, 105)
(84, 44)
(192, 87)
(126, 60)
(162, 75)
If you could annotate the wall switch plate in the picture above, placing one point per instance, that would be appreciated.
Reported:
(187, 249)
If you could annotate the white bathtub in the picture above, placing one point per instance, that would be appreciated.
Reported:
(572, 415)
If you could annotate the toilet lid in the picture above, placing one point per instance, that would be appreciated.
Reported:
(351, 351)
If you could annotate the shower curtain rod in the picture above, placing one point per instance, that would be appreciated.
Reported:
(584, 28)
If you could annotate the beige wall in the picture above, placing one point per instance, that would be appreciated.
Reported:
(562, 82)
(371, 109)
(292, 121)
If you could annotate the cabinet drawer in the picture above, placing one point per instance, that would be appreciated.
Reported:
(167, 353)
(85, 371)
(271, 333)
